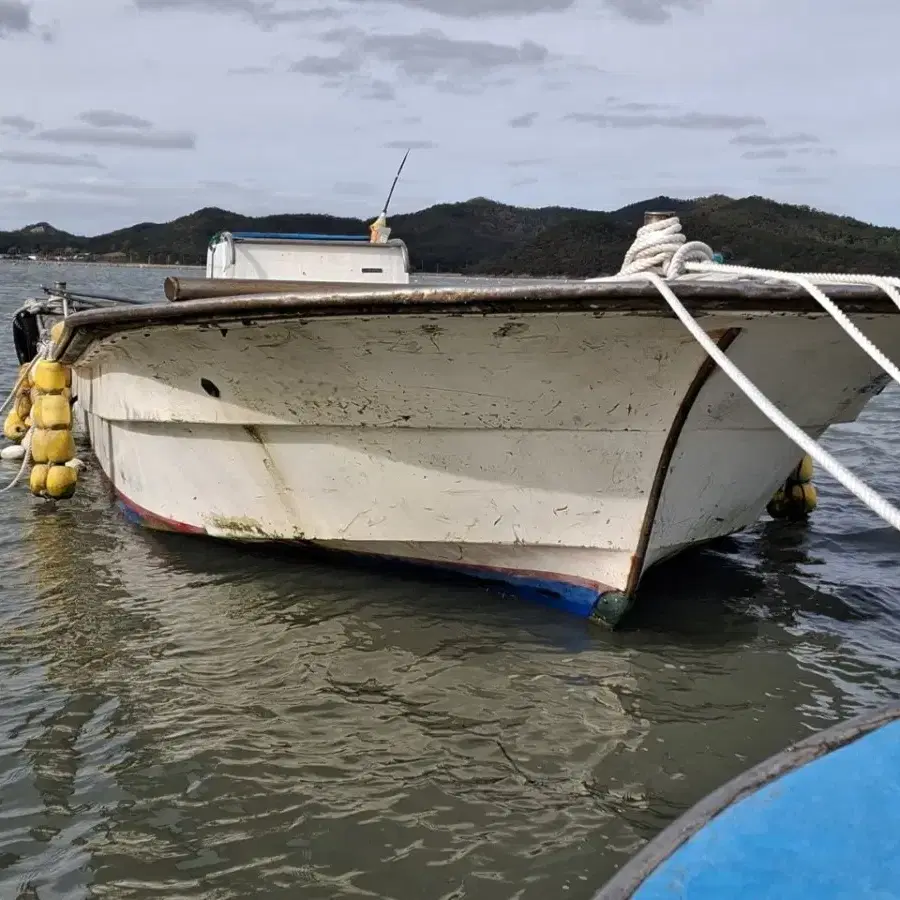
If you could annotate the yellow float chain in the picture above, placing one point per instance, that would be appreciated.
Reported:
(41, 419)
(52, 444)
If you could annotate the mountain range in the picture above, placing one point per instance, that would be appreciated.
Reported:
(481, 236)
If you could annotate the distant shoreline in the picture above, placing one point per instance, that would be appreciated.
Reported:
(101, 262)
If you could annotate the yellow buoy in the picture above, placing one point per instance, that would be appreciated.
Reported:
(61, 482)
(52, 411)
(37, 481)
(25, 375)
(52, 446)
(14, 427)
(804, 498)
(797, 497)
(56, 331)
(776, 507)
(805, 471)
(23, 405)
(49, 377)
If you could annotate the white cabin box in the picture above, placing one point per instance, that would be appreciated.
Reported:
(307, 257)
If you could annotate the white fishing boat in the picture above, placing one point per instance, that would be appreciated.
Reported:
(557, 438)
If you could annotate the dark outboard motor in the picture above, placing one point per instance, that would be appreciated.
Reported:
(26, 334)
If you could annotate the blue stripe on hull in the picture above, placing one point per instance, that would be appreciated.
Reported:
(585, 600)
(578, 599)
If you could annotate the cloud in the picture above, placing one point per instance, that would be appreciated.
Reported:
(17, 123)
(431, 56)
(330, 66)
(93, 186)
(25, 158)
(107, 137)
(780, 146)
(344, 72)
(790, 170)
(362, 66)
(524, 182)
(269, 16)
(526, 120)
(85, 188)
(651, 12)
(250, 70)
(353, 188)
(793, 179)
(693, 121)
(477, 9)
(770, 153)
(15, 17)
(265, 13)
(270, 13)
(409, 145)
(775, 140)
(379, 90)
(643, 12)
(107, 118)
(635, 106)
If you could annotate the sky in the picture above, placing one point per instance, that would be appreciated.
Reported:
(120, 111)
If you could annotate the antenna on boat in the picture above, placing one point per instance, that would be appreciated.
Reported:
(378, 230)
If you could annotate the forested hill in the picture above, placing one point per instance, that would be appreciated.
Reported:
(481, 236)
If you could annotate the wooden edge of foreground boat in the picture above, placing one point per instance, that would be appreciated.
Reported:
(699, 297)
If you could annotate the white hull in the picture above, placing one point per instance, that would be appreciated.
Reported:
(566, 451)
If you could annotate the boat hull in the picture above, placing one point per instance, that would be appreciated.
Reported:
(560, 453)
(819, 821)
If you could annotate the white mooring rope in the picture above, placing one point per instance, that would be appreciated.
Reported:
(42, 352)
(26, 445)
(661, 251)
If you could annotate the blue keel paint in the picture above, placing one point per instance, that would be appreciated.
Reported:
(584, 600)
(577, 599)
(818, 822)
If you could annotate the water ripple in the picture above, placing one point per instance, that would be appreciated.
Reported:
(180, 719)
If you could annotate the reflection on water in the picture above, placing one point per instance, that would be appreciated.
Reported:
(182, 718)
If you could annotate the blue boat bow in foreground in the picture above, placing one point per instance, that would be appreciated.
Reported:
(819, 821)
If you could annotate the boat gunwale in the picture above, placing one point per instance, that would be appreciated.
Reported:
(622, 297)
(640, 868)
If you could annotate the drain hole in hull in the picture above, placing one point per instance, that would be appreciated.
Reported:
(210, 388)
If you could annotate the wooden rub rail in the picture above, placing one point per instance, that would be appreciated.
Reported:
(182, 289)
(598, 298)
(630, 296)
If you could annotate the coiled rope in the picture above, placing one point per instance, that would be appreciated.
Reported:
(661, 251)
